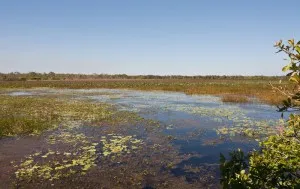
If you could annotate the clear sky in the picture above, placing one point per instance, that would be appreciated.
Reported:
(191, 37)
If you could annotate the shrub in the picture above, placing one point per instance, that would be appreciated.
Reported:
(277, 163)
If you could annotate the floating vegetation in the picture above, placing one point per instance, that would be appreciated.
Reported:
(250, 128)
(118, 144)
(67, 138)
(53, 165)
(78, 159)
(236, 120)
(169, 127)
(224, 113)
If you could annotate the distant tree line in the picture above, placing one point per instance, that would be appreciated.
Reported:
(17, 76)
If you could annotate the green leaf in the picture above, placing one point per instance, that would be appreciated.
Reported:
(287, 67)
(297, 49)
(295, 78)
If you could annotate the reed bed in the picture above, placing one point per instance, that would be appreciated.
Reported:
(234, 99)
(256, 88)
(33, 114)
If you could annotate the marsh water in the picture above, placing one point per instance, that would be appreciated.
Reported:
(180, 139)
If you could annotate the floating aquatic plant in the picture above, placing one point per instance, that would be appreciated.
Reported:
(58, 164)
(118, 144)
(235, 119)
(67, 137)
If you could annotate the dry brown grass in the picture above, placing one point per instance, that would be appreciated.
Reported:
(254, 88)
(234, 99)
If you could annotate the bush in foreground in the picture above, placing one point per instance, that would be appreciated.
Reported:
(277, 164)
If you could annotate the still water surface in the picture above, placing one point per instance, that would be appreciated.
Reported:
(199, 128)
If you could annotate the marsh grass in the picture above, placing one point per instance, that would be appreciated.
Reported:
(31, 115)
(258, 88)
(234, 99)
(25, 115)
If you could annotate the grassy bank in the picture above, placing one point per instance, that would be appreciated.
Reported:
(251, 88)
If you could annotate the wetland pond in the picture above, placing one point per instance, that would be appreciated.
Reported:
(168, 140)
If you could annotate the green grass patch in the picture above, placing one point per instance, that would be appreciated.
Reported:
(31, 115)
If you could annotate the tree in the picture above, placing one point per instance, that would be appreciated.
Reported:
(277, 163)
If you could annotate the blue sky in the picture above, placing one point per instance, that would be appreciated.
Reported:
(162, 37)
